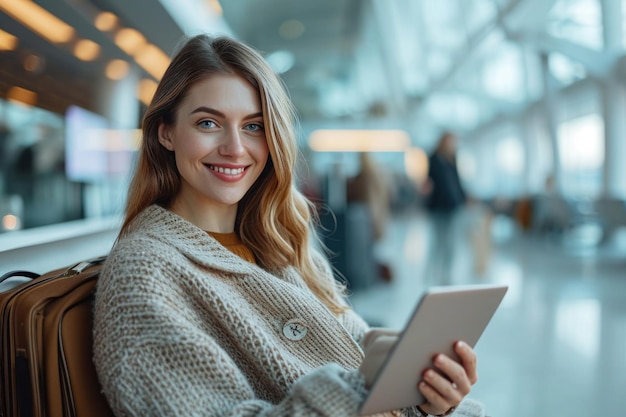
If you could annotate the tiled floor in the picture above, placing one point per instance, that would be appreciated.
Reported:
(557, 344)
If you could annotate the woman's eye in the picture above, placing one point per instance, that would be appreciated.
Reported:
(206, 124)
(254, 127)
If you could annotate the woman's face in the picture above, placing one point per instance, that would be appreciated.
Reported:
(218, 139)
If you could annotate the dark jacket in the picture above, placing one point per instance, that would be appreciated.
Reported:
(447, 193)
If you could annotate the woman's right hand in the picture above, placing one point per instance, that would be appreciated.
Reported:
(445, 387)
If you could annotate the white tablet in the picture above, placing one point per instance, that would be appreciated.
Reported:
(443, 316)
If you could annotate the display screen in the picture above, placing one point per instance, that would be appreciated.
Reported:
(86, 158)
(93, 151)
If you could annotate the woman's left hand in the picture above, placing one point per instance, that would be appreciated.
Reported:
(446, 387)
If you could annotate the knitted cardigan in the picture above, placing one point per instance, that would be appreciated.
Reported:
(184, 327)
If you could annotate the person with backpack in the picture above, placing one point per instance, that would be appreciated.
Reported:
(215, 300)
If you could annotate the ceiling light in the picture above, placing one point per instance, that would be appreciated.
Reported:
(38, 20)
(34, 63)
(22, 95)
(153, 60)
(359, 140)
(86, 50)
(8, 42)
(145, 90)
(105, 21)
(130, 41)
(117, 69)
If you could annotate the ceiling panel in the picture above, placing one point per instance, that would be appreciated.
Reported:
(354, 60)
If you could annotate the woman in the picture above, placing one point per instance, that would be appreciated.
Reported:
(213, 302)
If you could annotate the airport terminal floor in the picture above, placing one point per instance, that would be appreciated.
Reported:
(557, 344)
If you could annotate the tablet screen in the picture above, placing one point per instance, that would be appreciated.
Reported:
(443, 316)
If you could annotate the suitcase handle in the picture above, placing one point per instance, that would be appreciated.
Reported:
(73, 270)
(25, 274)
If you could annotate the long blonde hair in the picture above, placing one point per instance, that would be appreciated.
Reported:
(274, 219)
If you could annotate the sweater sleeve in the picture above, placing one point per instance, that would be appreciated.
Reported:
(150, 386)
(154, 359)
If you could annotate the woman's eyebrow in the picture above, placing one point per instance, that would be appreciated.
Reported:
(204, 109)
(254, 115)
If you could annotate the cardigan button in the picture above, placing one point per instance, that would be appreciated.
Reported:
(294, 330)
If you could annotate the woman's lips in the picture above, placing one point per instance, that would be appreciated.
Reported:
(227, 171)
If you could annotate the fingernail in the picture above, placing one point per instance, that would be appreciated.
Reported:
(460, 344)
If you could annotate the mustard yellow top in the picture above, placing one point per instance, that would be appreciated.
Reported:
(232, 242)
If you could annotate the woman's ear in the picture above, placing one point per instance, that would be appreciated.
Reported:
(165, 137)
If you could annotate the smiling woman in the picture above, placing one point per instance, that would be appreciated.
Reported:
(220, 149)
(214, 295)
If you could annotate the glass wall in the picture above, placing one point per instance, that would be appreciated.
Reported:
(58, 167)
(534, 89)
(34, 188)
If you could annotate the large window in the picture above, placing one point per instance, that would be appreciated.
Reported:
(581, 152)
(32, 155)
(579, 21)
(50, 170)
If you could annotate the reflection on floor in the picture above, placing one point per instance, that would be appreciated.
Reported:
(557, 344)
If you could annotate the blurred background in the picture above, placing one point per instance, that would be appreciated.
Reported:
(444, 142)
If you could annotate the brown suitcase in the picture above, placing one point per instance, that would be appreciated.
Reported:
(46, 345)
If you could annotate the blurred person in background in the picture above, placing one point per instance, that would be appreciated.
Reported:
(445, 197)
(550, 212)
(370, 189)
(213, 302)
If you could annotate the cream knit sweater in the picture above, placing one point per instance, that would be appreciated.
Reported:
(183, 327)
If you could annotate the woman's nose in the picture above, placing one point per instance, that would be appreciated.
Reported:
(232, 143)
